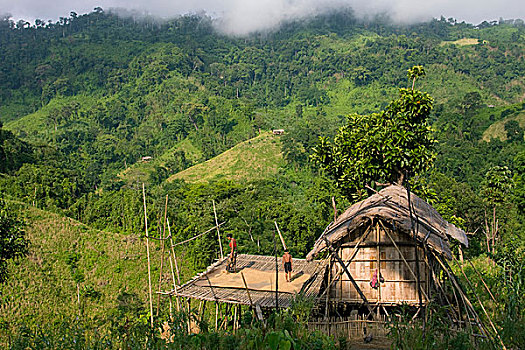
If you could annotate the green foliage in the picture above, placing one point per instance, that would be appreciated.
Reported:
(519, 181)
(514, 131)
(435, 334)
(385, 146)
(13, 243)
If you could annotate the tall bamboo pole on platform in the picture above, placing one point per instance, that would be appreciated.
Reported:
(173, 251)
(276, 274)
(147, 250)
(218, 232)
(162, 253)
(280, 235)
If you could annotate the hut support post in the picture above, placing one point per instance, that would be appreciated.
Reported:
(236, 307)
(147, 250)
(188, 300)
(201, 317)
(378, 240)
(327, 305)
(216, 315)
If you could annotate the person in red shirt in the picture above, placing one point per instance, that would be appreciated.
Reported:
(233, 253)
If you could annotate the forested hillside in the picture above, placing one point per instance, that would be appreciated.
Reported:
(95, 105)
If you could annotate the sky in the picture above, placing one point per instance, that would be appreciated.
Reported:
(241, 17)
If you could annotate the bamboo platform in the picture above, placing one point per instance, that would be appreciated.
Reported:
(215, 284)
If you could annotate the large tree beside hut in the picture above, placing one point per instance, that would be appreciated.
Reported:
(387, 146)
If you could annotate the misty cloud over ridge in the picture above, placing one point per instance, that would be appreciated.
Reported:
(242, 17)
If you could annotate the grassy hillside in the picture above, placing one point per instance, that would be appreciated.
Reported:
(254, 159)
(497, 130)
(110, 268)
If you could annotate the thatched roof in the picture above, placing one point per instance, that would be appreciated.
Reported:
(259, 272)
(391, 205)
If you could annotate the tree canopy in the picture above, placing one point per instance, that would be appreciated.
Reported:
(386, 147)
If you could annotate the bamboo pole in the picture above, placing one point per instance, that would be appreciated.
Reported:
(276, 274)
(464, 298)
(162, 253)
(482, 280)
(174, 284)
(247, 290)
(147, 250)
(280, 235)
(216, 316)
(482, 307)
(173, 250)
(218, 232)
(416, 250)
(378, 240)
(235, 318)
(335, 209)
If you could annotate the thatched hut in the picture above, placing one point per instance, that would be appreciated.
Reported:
(385, 250)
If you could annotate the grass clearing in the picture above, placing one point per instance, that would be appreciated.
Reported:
(497, 130)
(256, 158)
(463, 42)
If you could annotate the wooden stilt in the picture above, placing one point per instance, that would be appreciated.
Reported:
(235, 318)
(188, 302)
(327, 302)
(174, 284)
(378, 240)
(171, 308)
(162, 252)
(201, 318)
(216, 316)
(147, 250)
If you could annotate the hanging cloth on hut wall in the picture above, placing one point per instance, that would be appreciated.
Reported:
(374, 282)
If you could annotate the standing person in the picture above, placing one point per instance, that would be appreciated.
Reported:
(233, 253)
(287, 262)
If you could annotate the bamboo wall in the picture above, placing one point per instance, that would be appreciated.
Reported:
(378, 252)
(350, 328)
